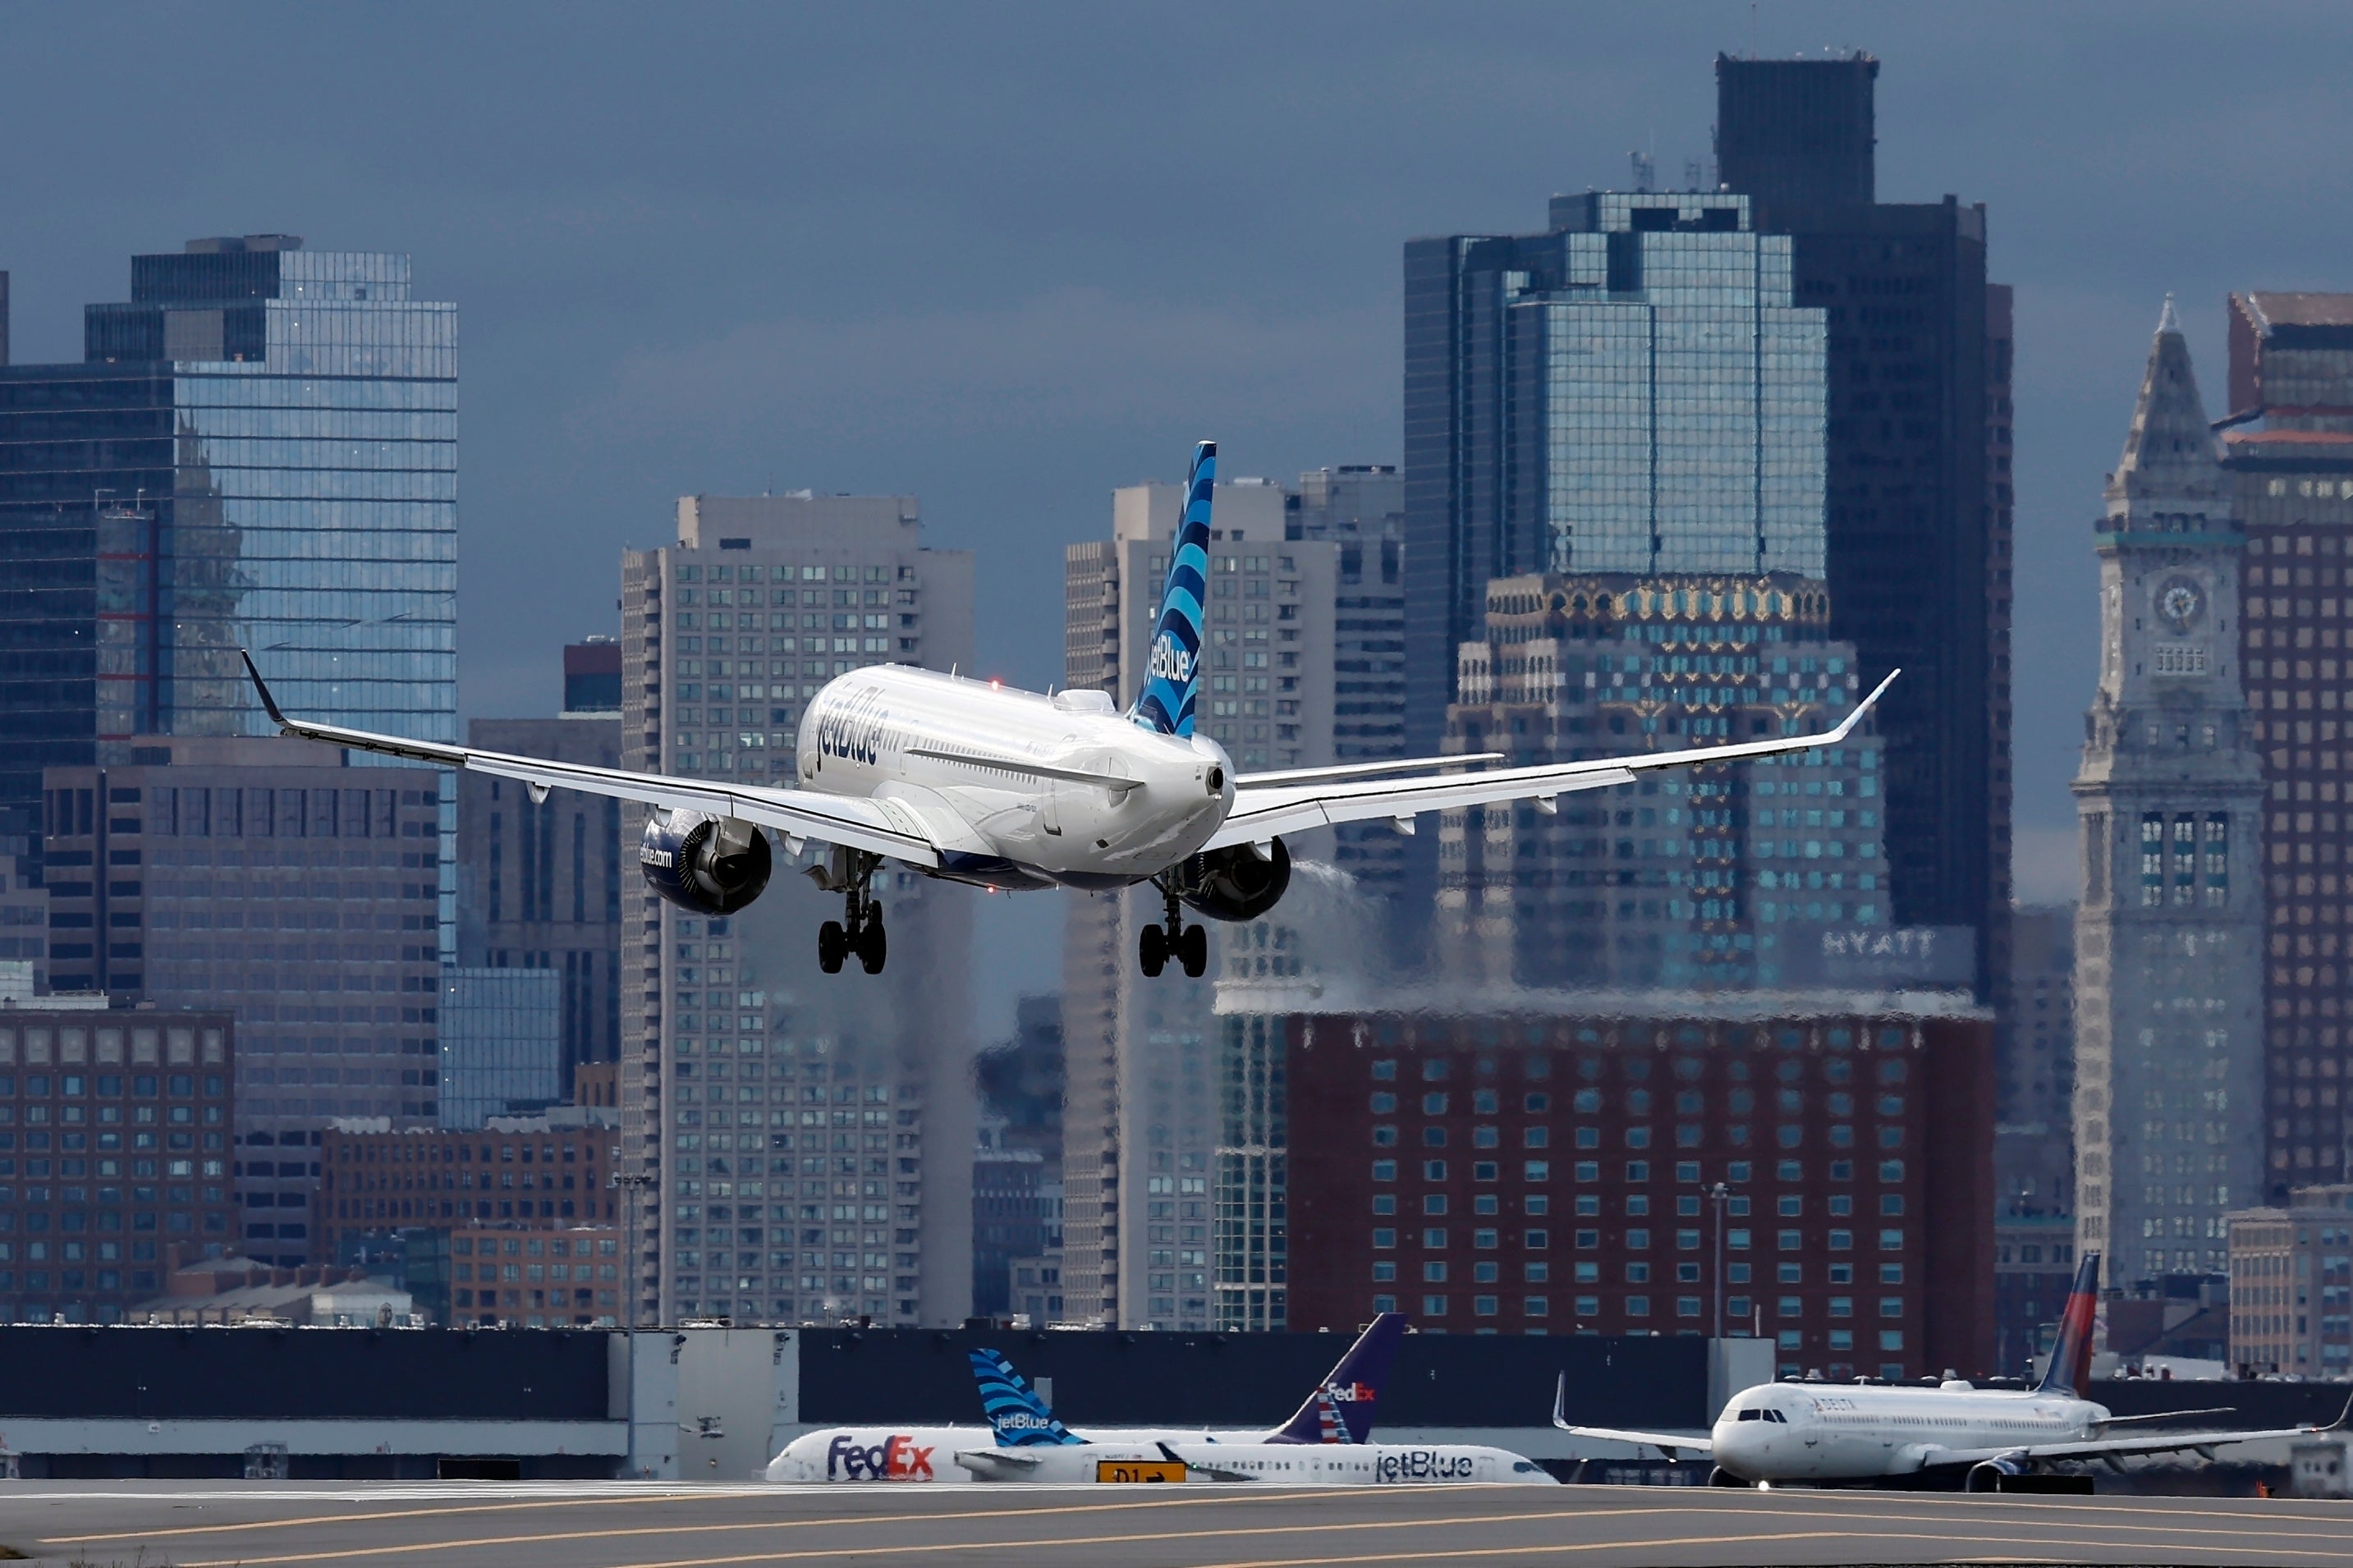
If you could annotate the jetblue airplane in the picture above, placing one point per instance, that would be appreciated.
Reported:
(1338, 1410)
(974, 783)
(1827, 1432)
(1326, 1444)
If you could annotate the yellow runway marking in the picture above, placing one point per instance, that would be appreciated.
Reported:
(1422, 1556)
(1564, 1548)
(688, 1497)
(350, 1518)
(410, 1547)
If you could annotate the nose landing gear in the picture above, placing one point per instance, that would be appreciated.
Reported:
(859, 932)
(1188, 946)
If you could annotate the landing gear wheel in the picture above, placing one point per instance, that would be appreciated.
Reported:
(873, 945)
(1193, 950)
(832, 946)
(1152, 950)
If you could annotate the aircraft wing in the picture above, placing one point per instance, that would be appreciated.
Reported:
(870, 824)
(1266, 804)
(1672, 1446)
(2202, 1443)
(1004, 1464)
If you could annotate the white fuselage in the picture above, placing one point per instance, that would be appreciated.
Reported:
(864, 735)
(1284, 1463)
(926, 1455)
(1808, 1432)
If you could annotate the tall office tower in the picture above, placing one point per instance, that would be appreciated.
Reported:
(1361, 507)
(2288, 451)
(259, 450)
(1141, 1130)
(2169, 955)
(1918, 485)
(501, 1045)
(1631, 391)
(2034, 1063)
(1730, 877)
(541, 883)
(810, 1136)
(262, 877)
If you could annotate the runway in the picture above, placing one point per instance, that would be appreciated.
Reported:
(647, 1525)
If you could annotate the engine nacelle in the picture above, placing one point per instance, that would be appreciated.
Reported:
(1236, 883)
(711, 865)
(1988, 1475)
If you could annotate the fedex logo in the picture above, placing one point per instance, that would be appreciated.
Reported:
(1351, 1393)
(1170, 662)
(895, 1458)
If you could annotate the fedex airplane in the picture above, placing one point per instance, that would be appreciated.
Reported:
(1326, 1444)
(1827, 1432)
(1339, 1410)
(970, 782)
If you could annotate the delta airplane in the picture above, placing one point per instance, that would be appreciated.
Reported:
(1325, 1445)
(1338, 1410)
(974, 783)
(1780, 1432)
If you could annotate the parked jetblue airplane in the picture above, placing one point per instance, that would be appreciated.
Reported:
(1005, 789)
(1338, 1410)
(1327, 1443)
(1830, 1432)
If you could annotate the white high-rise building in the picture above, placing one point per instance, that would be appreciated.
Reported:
(1143, 1140)
(807, 1137)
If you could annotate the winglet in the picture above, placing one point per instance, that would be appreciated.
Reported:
(1846, 726)
(261, 689)
(1560, 1403)
(2344, 1417)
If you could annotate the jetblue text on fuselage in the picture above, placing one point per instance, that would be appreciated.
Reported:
(1425, 1465)
(853, 730)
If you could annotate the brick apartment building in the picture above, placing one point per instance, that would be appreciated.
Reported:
(1583, 1169)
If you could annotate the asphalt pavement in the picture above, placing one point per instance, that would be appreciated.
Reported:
(97, 1524)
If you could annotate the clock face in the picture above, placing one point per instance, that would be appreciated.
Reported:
(2180, 603)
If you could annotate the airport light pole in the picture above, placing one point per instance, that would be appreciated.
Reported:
(631, 1266)
(1718, 1195)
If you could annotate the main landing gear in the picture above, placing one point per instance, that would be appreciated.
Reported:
(1188, 946)
(850, 872)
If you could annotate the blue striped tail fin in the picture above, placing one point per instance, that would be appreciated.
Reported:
(1173, 662)
(1018, 1417)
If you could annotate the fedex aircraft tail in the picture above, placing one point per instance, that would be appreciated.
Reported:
(2069, 1372)
(1341, 1408)
(1018, 1417)
(1172, 677)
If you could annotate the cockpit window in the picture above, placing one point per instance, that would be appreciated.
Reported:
(1752, 1415)
(1523, 1467)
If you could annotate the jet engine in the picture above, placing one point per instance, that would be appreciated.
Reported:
(711, 865)
(1236, 883)
(1988, 1475)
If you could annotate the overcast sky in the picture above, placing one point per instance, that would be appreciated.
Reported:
(1008, 257)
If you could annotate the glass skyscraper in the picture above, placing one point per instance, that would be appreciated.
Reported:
(258, 450)
(1632, 391)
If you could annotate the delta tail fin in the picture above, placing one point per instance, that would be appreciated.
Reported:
(1018, 1417)
(2069, 1372)
(1172, 672)
(1341, 1408)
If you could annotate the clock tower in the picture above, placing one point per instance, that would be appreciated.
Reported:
(2169, 961)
